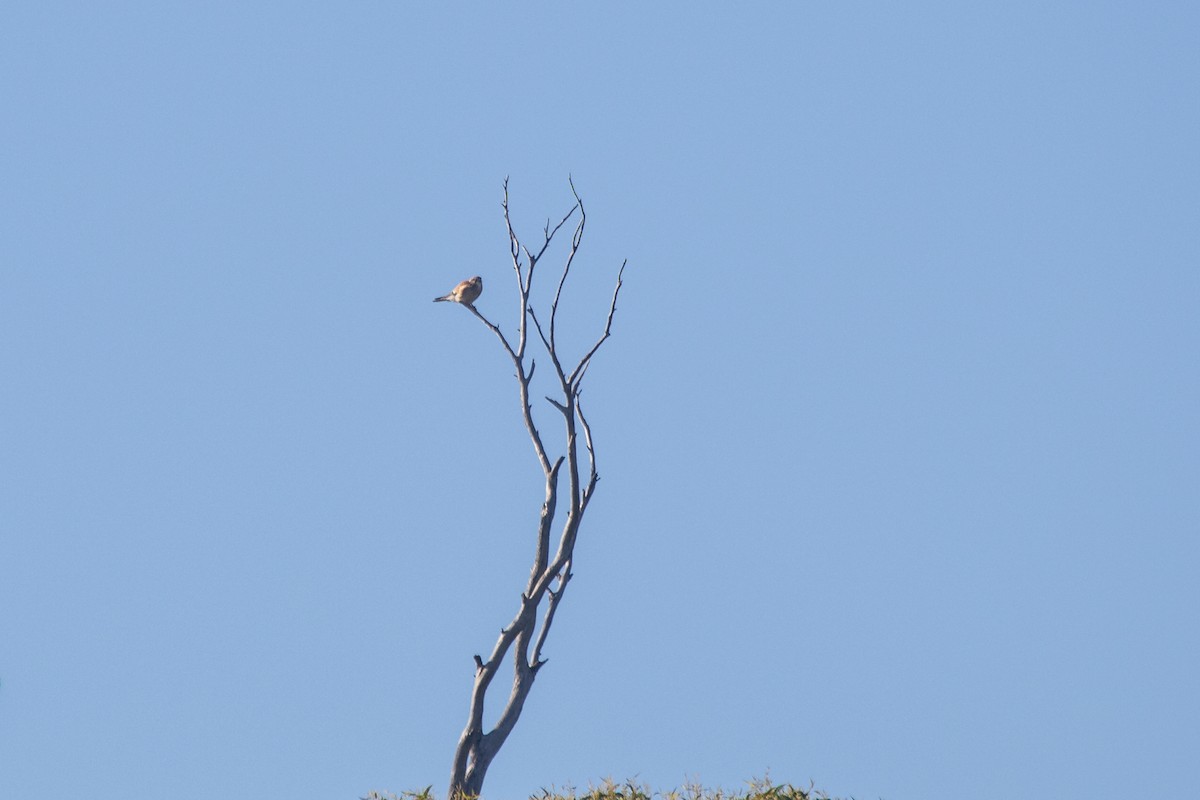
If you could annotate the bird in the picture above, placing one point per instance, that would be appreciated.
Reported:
(466, 292)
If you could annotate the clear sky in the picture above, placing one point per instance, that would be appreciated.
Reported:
(899, 428)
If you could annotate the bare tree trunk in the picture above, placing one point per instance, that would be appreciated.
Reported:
(549, 576)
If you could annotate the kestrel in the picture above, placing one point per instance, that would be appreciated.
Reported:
(466, 292)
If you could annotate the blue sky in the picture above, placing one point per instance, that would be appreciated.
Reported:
(897, 430)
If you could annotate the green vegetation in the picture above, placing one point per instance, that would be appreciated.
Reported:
(757, 789)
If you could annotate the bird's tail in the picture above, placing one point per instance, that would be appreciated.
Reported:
(447, 298)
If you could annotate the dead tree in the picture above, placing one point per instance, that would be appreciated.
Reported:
(551, 572)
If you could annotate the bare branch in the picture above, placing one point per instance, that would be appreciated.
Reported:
(612, 309)
(555, 597)
(575, 241)
(513, 244)
(561, 222)
(593, 477)
(523, 380)
(578, 382)
(562, 378)
(538, 325)
(549, 507)
(493, 328)
(523, 285)
(517, 247)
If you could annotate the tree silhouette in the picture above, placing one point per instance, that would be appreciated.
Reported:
(551, 572)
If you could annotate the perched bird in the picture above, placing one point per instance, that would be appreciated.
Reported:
(466, 292)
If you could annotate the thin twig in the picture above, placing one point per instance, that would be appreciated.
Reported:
(538, 326)
(523, 284)
(594, 477)
(514, 245)
(549, 348)
(547, 232)
(583, 362)
(575, 241)
(561, 222)
(494, 329)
